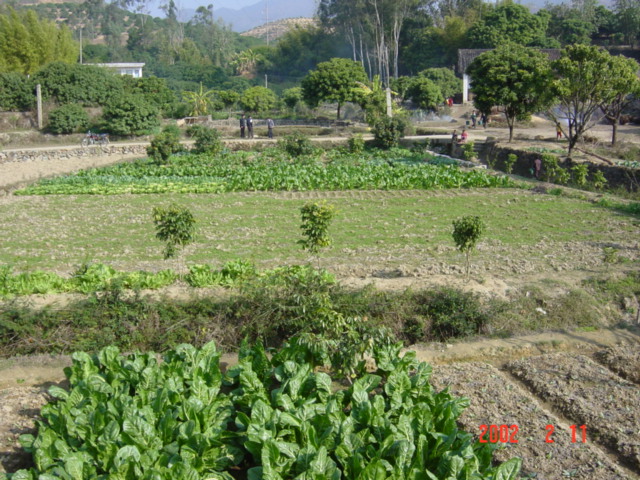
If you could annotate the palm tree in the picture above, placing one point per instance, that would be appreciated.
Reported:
(199, 101)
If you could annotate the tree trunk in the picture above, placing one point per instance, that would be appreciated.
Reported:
(614, 133)
(338, 110)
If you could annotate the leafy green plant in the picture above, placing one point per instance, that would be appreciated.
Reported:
(579, 172)
(610, 255)
(387, 132)
(356, 144)
(230, 275)
(130, 115)
(175, 226)
(132, 416)
(468, 151)
(165, 144)
(207, 140)
(466, 233)
(296, 145)
(552, 171)
(510, 161)
(599, 181)
(316, 218)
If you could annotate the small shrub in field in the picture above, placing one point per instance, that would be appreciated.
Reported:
(454, 313)
(466, 233)
(68, 118)
(175, 226)
(207, 140)
(511, 160)
(579, 173)
(165, 144)
(316, 218)
(296, 144)
(468, 151)
(387, 132)
(356, 144)
(552, 171)
(599, 181)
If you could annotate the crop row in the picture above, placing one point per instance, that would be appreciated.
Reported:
(96, 277)
(236, 172)
(272, 418)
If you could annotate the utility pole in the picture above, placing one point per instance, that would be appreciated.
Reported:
(39, 105)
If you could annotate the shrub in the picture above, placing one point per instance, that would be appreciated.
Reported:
(388, 131)
(466, 233)
(175, 226)
(68, 119)
(454, 313)
(296, 144)
(316, 218)
(16, 92)
(165, 144)
(552, 171)
(356, 144)
(207, 140)
(131, 115)
(510, 161)
(468, 151)
(258, 99)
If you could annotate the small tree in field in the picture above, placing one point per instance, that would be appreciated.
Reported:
(316, 218)
(466, 233)
(175, 226)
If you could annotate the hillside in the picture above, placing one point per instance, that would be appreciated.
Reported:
(274, 30)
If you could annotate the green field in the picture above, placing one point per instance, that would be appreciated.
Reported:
(373, 229)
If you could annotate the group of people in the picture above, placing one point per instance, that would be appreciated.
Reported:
(480, 120)
(459, 139)
(247, 124)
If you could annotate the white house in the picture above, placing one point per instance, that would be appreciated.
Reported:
(133, 69)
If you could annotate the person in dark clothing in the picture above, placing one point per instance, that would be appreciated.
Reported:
(270, 125)
(250, 126)
(243, 124)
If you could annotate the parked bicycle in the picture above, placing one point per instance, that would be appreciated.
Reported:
(95, 139)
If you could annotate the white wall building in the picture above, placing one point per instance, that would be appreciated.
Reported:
(132, 69)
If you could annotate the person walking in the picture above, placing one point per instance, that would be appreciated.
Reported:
(474, 117)
(558, 132)
(243, 124)
(250, 126)
(463, 136)
(270, 125)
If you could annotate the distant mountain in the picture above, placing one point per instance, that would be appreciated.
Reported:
(259, 13)
(274, 30)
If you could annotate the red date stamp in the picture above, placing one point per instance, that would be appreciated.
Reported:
(508, 433)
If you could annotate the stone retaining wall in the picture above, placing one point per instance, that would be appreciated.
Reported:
(35, 154)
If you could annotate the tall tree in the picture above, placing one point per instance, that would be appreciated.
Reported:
(628, 15)
(624, 88)
(374, 29)
(28, 43)
(581, 87)
(333, 81)
(515, 78)
(508, 23)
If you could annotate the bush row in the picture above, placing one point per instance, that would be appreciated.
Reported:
(285, 302)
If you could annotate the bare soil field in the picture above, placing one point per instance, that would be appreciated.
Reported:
(589, 394)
